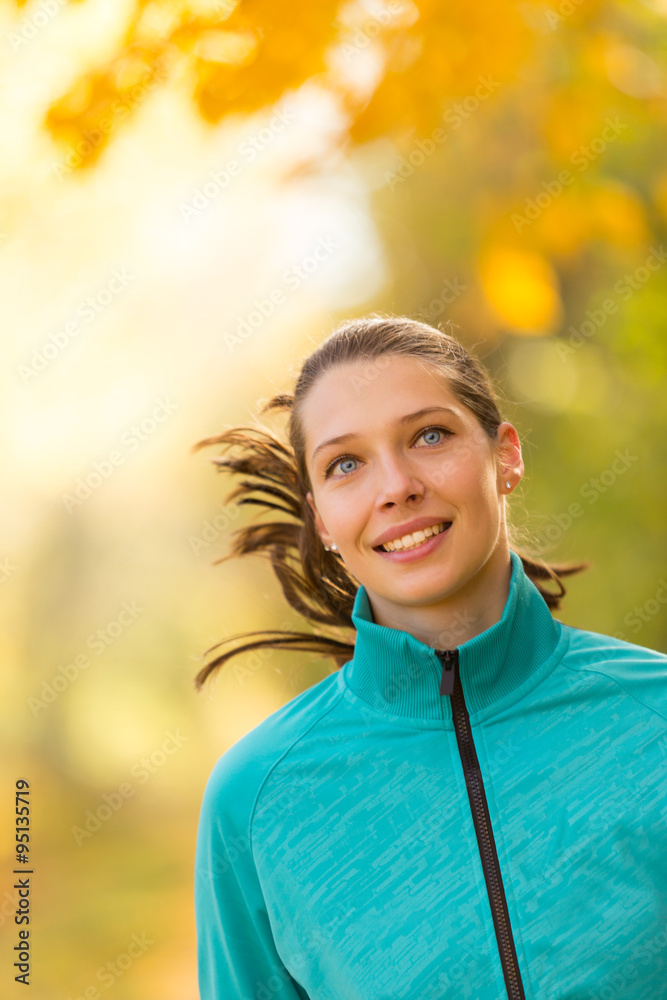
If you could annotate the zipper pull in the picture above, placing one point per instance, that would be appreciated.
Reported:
(449, 659)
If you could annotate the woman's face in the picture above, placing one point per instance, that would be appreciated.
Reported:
(397, 466)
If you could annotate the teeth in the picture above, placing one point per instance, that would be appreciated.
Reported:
(413, 539)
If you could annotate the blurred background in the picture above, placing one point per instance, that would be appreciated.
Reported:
(193, 193)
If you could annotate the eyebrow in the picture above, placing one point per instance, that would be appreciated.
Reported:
(406, 419)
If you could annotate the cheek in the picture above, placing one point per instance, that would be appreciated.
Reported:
(472, 479)
(342, 516)
(491, 500)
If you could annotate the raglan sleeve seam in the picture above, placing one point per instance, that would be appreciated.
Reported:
(270, 770)
(235, 946)
(631, 694)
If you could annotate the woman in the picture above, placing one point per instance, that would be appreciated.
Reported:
(474, 804)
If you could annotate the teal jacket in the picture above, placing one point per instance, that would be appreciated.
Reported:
(483, 823)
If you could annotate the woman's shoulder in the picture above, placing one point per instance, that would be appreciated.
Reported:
(240, 771)
(596, 646)
(639, 670)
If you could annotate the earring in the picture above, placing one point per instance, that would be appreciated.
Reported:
(334, 548)
(508, 485)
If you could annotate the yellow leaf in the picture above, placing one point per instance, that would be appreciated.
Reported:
(564, 227)
(234, 47)
(618, 215)
(522, 289)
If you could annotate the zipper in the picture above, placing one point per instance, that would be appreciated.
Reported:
(450, 684)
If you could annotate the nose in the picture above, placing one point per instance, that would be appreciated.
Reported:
(397, 482)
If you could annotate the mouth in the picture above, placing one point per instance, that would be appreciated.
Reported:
(417, 544)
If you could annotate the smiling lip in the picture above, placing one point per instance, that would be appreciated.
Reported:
(417, 524)
(416, 551)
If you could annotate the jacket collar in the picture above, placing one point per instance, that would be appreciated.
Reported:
(398, 674)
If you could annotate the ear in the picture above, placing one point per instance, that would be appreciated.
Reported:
(319, 523)
(510, 461)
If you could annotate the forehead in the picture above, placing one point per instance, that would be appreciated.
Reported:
(360, 396)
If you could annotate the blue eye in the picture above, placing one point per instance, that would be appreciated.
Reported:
(431, 430)
(350, 458)
(442, 431)
(338, 461)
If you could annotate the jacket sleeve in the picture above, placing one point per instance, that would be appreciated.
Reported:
(236, 952)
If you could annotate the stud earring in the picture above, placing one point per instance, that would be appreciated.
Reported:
(508, 485)
(333, 548)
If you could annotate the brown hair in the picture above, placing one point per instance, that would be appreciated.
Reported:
(315, 581)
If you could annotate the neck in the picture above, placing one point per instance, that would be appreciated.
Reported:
(455, 619)
(396, 673)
